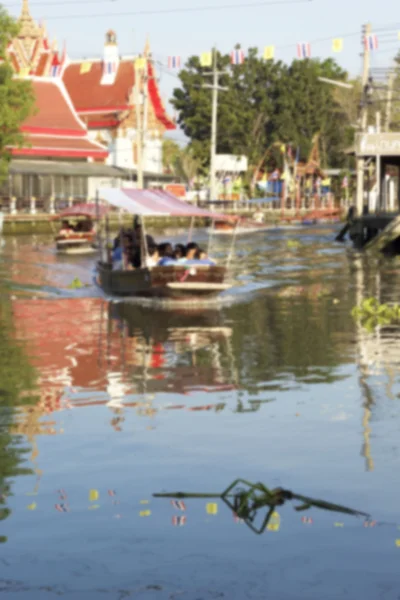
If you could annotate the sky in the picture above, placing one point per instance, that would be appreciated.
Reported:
(176, 32)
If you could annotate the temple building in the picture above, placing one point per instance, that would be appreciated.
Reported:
(92, 118)
(116, 97)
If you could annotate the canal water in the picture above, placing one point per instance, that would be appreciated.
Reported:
(103, 404)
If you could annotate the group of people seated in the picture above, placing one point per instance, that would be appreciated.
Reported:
(165, 254)
(84, 226)
(128, 247)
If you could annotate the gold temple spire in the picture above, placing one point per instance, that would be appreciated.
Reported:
(28, 27)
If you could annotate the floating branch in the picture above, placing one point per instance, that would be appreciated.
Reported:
(246, 503)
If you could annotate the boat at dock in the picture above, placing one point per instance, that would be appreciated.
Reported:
(78, 233)
(188, 280)
(239, 225)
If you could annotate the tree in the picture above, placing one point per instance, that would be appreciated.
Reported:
(16, 96)
(266, 103)
(170, 153)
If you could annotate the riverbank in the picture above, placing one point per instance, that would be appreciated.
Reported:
(44, 223)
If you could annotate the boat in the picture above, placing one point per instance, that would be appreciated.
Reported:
(77, 234)
(190, 280)
(239, 225)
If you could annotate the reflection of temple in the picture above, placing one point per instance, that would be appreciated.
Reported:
(119, 357)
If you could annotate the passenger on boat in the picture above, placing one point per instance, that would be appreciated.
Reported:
(137, 239)
(66, 228)
(121, 254)
(180, 252)
(153, 256)
(191, 250)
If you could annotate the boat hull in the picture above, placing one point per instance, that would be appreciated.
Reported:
(163, 282)
(75, 244)
(240, 230)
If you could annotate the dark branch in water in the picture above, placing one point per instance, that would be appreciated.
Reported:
(247, 502)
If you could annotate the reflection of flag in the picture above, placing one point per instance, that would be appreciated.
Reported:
(371, 42)
(303, 50)
(307, 520)
(174, 62)
(179, 521)
(212, 508)
(178, 504)
(269, 52)
(93, 495)
(337, 45)
(206, 59)
(237, 57)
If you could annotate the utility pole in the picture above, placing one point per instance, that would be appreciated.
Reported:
(366, 31)
(141, 101)
(389, 102)
(215, 87)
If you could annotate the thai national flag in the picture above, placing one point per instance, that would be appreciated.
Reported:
(178, 504)
(61, 507)
(237, 57)
(174, 62)
(304, 50)
(371, 42)
(55, 70)
(178, 521)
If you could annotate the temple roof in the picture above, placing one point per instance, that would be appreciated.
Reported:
(87, 93)
(90, 97)
(55, 129)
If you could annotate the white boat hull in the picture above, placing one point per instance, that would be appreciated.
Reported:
(239, 230)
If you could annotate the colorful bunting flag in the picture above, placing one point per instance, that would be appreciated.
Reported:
(274, 522)
(145, 513)
(140, 63)
(371, 42)
(237, 57)
(85, 67)
(174, 62)
(206, 59)
(337, 45)
(269, 52)
(304, 50)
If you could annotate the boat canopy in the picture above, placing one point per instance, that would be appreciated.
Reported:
(91, 211)
(153, 203)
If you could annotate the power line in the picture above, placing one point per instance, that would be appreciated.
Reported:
(165, 11)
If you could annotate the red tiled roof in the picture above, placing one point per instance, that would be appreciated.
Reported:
(88, 94)
(54, 111)
(78, 147)
(41, 66)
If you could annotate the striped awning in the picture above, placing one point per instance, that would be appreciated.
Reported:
(152, 203)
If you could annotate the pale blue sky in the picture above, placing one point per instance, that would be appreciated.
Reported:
(190, 33)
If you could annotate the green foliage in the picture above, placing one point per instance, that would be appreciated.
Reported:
(181, 162)
(16, 97)
(267, 103)
(372, 313)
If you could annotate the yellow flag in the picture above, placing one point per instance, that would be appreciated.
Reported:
(398, 543)
(85, 67)
(337, 45)
(32, 506)
(140, 64)
(269, 52)
(93, 495)
(145, 513)
(212, 508)
(206, 59)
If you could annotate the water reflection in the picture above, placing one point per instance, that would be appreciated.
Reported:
(17, 389)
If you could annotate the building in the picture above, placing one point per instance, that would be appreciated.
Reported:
(84, 133)
(58, 163)
(117, 96)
